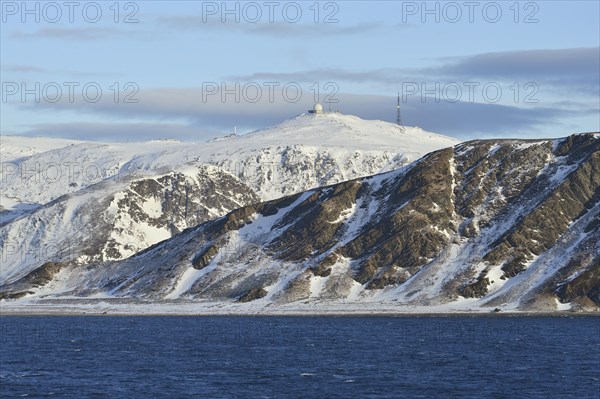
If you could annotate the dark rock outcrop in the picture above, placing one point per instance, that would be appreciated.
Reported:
(585, 285)
(253, 294)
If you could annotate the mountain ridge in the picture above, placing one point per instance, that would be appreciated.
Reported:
(488, 224)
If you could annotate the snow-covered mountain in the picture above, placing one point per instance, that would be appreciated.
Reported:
(507, 224)
(88, 202)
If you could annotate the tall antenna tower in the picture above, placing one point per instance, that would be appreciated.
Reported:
(398, 118)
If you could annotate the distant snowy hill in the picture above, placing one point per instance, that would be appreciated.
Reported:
(481, 226)
(355, 147)
(64, 200)
(17, 147)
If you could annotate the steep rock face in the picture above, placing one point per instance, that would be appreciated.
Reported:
(395, 246)
(551, 197)
(539, 230)
(313, 226)
(507, 224)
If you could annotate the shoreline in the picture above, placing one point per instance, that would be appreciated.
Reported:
(399, 315)
(191, 311)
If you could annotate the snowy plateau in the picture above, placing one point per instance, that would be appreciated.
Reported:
(320, 214)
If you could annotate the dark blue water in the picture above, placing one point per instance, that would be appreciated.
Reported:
(300, 357)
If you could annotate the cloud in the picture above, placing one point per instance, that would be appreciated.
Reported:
(197, 118)
(282, 29)
(52, 72)
(84, 34)
(21, 68)
(276, 29)
(528, 64)
(117, 131)
(462, 119)
(574, 68)
(197, 114)
(383, 76)
(213, 112)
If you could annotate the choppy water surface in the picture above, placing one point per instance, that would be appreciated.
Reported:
(300, 357)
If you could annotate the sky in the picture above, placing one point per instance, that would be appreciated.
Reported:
(193, 70)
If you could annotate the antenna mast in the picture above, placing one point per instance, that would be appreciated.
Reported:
(398, 118)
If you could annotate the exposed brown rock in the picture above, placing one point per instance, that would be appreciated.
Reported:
(587, 284)
(42, 275)
(312, 223)
(478, 288)
(253, 294)
(14, 295)
(323, 269)
(202, 260)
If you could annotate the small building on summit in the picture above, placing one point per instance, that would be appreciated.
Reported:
(317, 109)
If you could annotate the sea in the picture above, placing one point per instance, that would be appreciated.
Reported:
(299, 357)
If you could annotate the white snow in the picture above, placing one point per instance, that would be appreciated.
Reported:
(59, 166)
(494, 274)
(16, 147)
(317, 283)
(562, 172)
(526, 144)
(152, 207)
(345, 214)
(187, 279)
(562, 306)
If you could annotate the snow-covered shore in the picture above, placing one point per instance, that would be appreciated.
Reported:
(131, 307)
